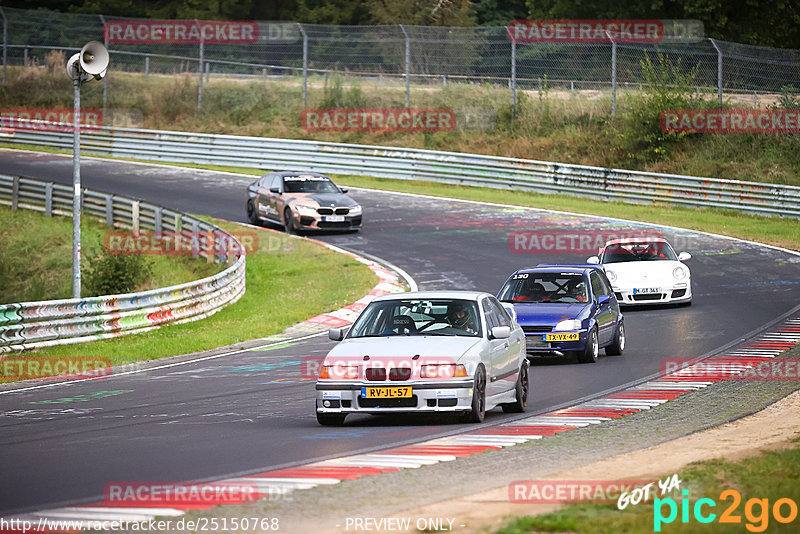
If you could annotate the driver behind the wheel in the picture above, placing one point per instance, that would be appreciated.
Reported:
(459, 316)
(577, 291)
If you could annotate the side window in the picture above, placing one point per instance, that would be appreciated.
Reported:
(597, 286)
(606, 285)
(502, 316)
(491, 318)
(277, 182)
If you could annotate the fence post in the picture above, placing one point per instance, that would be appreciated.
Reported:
(305, 64)
(513, 74)
(48, 199)
(109, 211)
(25, 56)
(5, 43)
(105, 78)
(208, 71)
(613, 76)
(408, 66)
(200, 69)
(719, 72)
(147, 66)
(14, 193)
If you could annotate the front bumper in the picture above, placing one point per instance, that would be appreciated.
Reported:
(537, 346)
(674, 294)
(427, 396)
(320, 222)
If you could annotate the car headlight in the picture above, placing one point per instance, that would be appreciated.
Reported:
(339, 372)
(679, 273)
(302, 209)
(355, 211)
(569, 324)
(611, 275)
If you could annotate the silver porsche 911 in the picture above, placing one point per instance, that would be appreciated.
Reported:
(427, 351)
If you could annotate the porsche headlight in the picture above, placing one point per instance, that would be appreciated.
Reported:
(611, 275)
(302, 209)
(355, 210)
(569, 324)
(679, 273)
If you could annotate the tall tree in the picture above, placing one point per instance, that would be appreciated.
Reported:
(421, 12)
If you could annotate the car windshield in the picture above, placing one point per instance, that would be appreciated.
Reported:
(418, 317)
(641, 251)
(545, 288)
(308, 184)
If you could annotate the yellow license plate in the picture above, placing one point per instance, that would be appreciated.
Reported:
(565, 336)
(386, 393)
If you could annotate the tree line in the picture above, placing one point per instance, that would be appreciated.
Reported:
(773, 23)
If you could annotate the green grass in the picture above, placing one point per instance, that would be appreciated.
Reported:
(771, 476)
(546, 125)
(37, 264)
(288, 281)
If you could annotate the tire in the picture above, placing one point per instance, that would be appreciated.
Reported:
(478, 411)
(522, 388)
(331, 419)
(618, 344)
(252, 216)
(589, 354)
(288, 222)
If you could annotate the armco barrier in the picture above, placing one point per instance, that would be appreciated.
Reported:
(39, 324)
(418, 164)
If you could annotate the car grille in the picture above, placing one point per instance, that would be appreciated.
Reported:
(647, 296)
(326, 224)
(536, 329)
(400, 373)
(536, 342)
(325, 211)
(342, 211)
(678, 293)
(375, 373)
(404, 402)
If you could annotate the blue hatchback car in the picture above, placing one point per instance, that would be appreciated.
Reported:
(566, 310)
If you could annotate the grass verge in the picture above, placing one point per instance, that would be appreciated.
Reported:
(288, 281)
(36, 259)
(765, 479)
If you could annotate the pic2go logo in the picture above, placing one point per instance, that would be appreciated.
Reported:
(756, 511)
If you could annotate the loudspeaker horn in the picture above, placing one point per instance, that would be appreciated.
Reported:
(94, 59)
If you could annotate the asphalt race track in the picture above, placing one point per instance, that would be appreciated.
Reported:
(252, 411)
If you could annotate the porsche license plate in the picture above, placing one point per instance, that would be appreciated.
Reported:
(646, 290)
(386, 393)
(562, 336)
(333, 218)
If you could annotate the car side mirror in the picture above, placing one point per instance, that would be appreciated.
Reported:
(335, 334)
(594, 260)
(276, 190)
(511, 310)
(603, 299)
(344, 189)
(683, 256)
(501, 332)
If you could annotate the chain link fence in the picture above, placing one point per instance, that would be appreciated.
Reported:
(416, 56)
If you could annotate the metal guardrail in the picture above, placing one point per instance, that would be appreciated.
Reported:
(29, 325)
(417, 164)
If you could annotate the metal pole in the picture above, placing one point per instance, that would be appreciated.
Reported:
(305, 64)
(146, 66)
(719, 72)
(5, 43)
(408, 66)
(208, 71)
(76, 187)
(105, 78)
(613, 77)
(513, 74)
(200, 70)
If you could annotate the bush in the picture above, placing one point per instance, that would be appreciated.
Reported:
(665, 86)
(112, 274)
